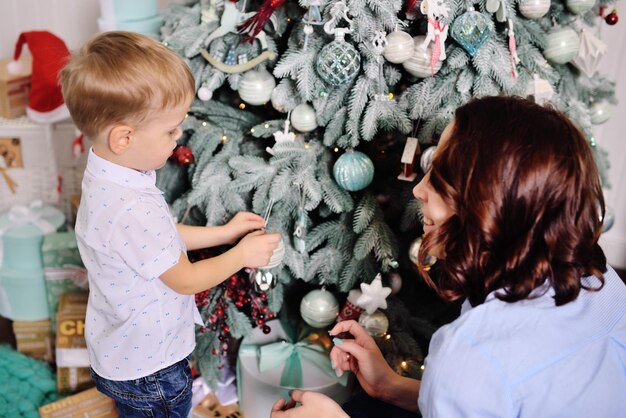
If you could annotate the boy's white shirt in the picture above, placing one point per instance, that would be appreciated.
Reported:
(135, 324)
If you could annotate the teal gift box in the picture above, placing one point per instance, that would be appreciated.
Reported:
(271, 365)
(63, 269)
(22, 284)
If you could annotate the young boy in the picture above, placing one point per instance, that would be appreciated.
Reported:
(129, 95)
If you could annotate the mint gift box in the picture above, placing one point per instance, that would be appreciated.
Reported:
(22, 283)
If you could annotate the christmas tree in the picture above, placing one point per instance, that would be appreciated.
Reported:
(322, 115)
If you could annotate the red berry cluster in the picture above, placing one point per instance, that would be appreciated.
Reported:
(183, 155)
(238, 291)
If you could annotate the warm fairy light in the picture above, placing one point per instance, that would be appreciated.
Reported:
(404, 364)
(390, 96)
(336, 149)
(242, 106)
(204, 123)
(267, 125)
(224, 138)
(252, 130)
(306, 145)
(186, 115)
(388, 337)
(422, 367)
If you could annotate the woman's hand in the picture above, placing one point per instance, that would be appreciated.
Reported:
(362, 356)
(312, 405)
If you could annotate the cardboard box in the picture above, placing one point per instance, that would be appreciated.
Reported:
(210, 407)
(71, 350)
(14, 88)
(34, 338)
(87, 404)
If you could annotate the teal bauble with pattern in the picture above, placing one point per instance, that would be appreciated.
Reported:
(353, 171)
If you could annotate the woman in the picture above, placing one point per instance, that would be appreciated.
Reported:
(511, 209)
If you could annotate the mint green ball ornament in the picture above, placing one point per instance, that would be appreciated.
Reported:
(353, 171)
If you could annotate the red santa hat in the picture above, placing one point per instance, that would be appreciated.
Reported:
(45, 101)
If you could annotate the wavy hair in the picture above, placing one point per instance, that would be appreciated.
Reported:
(526, 200)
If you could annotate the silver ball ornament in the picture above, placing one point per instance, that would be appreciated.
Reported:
(534, 9)
(399, 48)
(375, 324)
(204, 94)
(426, 159)
(562, 45)
(256, 86)
(418, 64)
(579, 6)
(414, 250)
(599, 112)
(319, 308)
(303, 118)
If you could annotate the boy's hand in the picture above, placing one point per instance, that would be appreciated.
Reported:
(256, 248)
(241, 224)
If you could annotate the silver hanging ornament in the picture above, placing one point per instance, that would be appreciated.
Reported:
(319, 308)
(375, 324)
(562, 45)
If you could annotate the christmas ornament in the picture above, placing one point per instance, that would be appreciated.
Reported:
(609, 219)
(350, 309)
(263, 280)
(204, 94)
(285, 135)
(534, 9)
(319, 308)
(418, 64)
(437, 32)
(399, 48)
(374, 295)
(256, 86)
(299, 228)
(498, 7)
(303, 118)
(312, 17)
(279, 252)
(539, 90)
(513, 50)
(395, 281)
(338, 62)
(255, 24)
(562, 45)
(590, 53)
(353, 171)
(411, 148)
(414, 250)
(579, 6)
(599, 112)
(471, 30)
(611, 18)
(426, 160)
(375, 324)
(182, 155)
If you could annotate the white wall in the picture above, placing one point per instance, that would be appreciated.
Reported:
(75, 20)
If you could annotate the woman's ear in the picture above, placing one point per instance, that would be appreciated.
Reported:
(120, 138)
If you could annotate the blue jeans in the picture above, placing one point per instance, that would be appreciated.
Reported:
(166, 393)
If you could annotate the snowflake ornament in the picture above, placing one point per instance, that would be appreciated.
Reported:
(374, 295)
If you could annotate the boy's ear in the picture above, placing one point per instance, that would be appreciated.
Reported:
(120, 138)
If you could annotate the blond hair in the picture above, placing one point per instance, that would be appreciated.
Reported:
(120, 77)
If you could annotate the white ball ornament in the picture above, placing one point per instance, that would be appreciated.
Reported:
(426, 159)
(399, 48)
(204, 94)
(303, 118)
(319, 308)
(534, 9)
(256, 86)
(419, 63)
(579, 6)
(562, 45)
(375, 324)
(599, 112)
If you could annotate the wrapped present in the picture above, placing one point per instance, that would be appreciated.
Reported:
(271, 365)
(63, 269)
(34, 338)
(22, 285)
(87, 404)
(72, 357)
(14, 87)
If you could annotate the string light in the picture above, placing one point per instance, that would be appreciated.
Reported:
(204, 123)
(404, 364)
(224, 139)
(186, 115)
(422, 367)
(242, 106)
(252, 130)
(267, 125)
(388, 337)
(390, 96)
(306, 145)
(336, 149)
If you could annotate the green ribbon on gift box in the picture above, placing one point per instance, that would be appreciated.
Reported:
(290, 355)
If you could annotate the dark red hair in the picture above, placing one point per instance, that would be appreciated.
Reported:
(526, 199)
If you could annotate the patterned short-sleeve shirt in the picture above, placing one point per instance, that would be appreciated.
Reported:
(135, 324)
